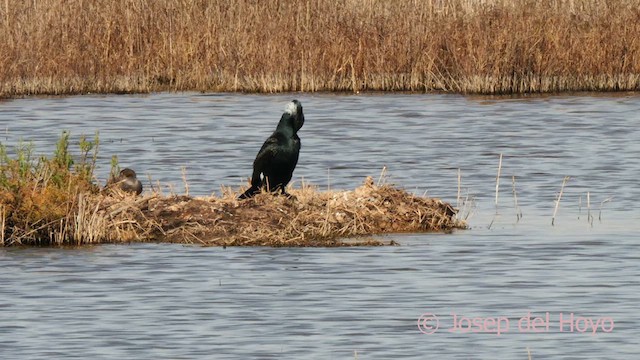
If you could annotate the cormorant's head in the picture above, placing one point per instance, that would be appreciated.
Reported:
(294, 109)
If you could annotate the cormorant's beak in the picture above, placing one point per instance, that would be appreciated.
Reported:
(299, 120)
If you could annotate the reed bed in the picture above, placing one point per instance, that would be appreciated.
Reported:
(466, 46)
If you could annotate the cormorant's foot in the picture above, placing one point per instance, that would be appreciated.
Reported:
(248, 194)
(290, 197)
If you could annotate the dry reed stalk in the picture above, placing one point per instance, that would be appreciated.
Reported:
(589, 217)
(458, 195)
(468, 205)
(383, 176)
(601, 205)
(579, 206)
(498, 181)
(492, 221)
(3, 223)
(515, 199)
(492, 47)
(184, 180)
(564, 181)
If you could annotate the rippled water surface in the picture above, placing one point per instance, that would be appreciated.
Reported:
(150, 301)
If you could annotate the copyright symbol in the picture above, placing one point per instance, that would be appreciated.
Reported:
(428, 323)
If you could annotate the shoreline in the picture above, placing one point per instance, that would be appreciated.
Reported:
(567, 93)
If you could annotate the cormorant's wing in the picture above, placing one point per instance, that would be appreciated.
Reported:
(263, 160)
(296, 144)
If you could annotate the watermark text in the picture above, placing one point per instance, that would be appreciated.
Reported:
(563, 322)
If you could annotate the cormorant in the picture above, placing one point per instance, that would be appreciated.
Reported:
(127, 181)
(278, 157)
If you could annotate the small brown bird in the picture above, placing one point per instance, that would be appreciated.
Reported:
(127, 181)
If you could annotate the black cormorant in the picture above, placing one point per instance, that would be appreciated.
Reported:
(276, 160)
(127, 181)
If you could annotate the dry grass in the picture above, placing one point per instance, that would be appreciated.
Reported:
(313, 218)
(470, 46)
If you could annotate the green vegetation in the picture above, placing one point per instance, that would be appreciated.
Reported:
(39, 196)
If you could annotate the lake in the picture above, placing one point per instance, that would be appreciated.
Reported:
(508, 286)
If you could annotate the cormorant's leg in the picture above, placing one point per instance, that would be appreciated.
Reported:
(285, 193)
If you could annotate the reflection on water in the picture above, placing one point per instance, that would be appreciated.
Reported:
(168, 301)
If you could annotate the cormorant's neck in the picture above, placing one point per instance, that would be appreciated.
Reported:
(286, 125)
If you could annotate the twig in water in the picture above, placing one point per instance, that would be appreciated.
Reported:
(458, 197)
(498, 181)
(579, 207)
(589, 217)
(459, 202)
(328, 179)
(564, 182)
(515, 199)
(469, 204)
(602, 203)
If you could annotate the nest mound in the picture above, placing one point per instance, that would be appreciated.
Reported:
(308, 218)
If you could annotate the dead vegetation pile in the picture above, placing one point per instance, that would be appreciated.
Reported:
(312, 218)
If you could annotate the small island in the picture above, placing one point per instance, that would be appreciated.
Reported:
(56, 201)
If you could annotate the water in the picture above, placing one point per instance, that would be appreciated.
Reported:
(178, 302)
